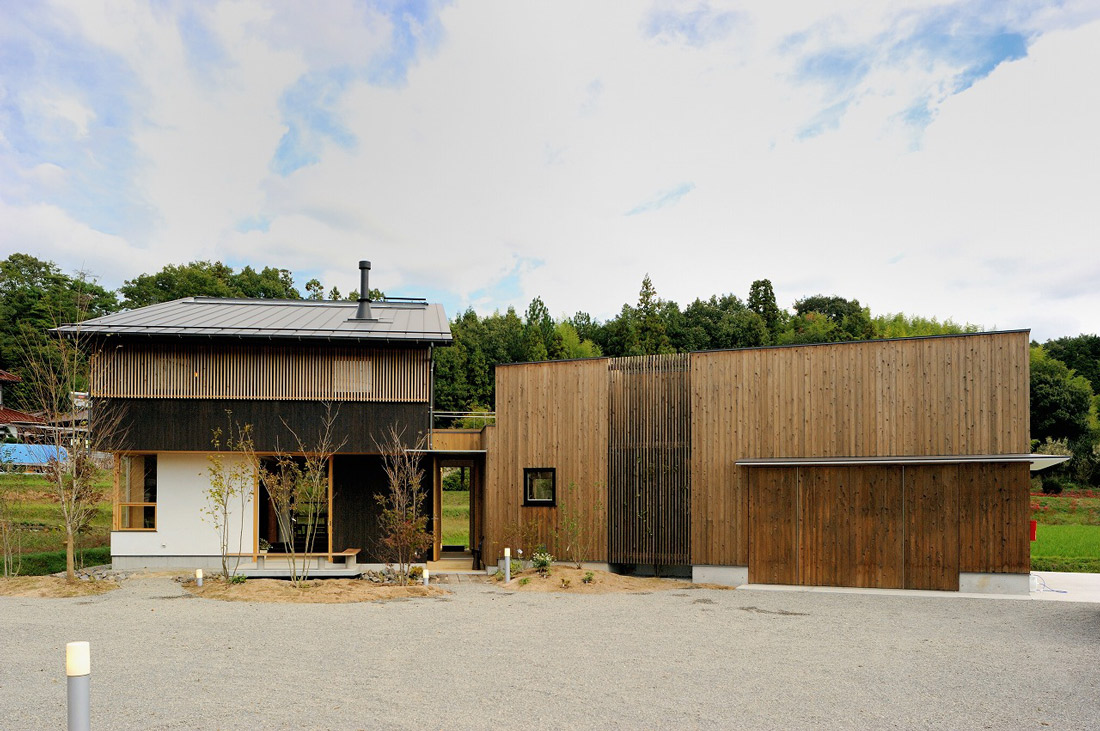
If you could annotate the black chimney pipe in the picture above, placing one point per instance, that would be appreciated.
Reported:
(363, 312)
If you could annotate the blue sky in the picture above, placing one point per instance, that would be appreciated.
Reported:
(923, 157)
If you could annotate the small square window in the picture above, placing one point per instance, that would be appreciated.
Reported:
(539, 486)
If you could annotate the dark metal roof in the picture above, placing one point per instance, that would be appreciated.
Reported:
(216, 317)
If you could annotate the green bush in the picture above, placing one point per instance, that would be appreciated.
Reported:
(52, 562)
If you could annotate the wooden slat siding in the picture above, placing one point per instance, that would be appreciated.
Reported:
(286, 373)
(931, 527)
(456, 440)
(880, 385)
(994, 508)
(773, 538)
(649, 512)
(548, 415)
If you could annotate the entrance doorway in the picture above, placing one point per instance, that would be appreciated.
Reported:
(457, 519)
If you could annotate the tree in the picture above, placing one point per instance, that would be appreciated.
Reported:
(652, 330)
(1081, 353)
(315, 290)
(34, 297)
(1060, 399)
(402, 521)
(298, 486)
(59, 371)
(762, 302)
(852, 321)
(230, 481)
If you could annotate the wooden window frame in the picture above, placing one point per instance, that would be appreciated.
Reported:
(528, 501)
(119, 505)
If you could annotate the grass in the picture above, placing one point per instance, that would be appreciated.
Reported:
(37, 517)
(456, 518)
(1068, 535)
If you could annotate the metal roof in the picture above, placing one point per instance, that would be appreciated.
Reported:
(217, 317)
(1038, 461)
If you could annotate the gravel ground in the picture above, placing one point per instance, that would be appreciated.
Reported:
(486, 658)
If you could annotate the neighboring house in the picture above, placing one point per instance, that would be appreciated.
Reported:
(13, 423)
(889, 463)
(177, 371)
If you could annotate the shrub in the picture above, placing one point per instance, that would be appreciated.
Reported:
(1053, 485)
(524, 581)
(588, 577)
(53, 562)
(416, 573)
(541, 561)
(565, 583)
(238, 579)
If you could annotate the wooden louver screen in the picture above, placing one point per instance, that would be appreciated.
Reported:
(649, 460)
(263, 373)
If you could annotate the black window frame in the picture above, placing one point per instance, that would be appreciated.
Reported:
(528, 502)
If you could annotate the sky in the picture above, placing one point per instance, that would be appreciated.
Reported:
(939, 159)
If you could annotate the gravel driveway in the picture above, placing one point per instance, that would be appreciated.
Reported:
(484, 658)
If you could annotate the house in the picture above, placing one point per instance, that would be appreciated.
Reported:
(889, 463)
(12, 421)
(175, 372)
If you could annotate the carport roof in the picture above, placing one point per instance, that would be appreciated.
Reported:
(1038, 461)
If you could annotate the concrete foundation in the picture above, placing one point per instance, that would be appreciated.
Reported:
(994, 583)
(132, 563)
(724, 575)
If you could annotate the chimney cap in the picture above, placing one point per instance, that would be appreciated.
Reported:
(364, 264)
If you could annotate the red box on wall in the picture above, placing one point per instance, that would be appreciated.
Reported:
(1033, 530)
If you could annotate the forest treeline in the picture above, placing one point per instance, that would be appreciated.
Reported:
(1065, 373)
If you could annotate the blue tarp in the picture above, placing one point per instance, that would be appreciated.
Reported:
(28, 455)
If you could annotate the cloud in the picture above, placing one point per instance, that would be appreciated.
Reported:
(664, 198)
(927, 158)
(695, 25)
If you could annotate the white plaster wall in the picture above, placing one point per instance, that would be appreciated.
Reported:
(181, 530)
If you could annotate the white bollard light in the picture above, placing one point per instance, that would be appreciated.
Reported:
(78, 668)
(425, 577)
(507, 564)
(198, 576)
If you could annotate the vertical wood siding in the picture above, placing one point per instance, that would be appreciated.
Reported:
(290, 373)
(649, 475)
(994, 505)
(921, 397)
(554, 416)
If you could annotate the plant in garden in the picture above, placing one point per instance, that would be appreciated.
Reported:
(10, 538)
(541, 561)
(575, 532)
(524, 537)
(404, 526)
(230, 481)
(298, 486)
(57, 373)
(525, 581)
(588, 577)
(565, 583)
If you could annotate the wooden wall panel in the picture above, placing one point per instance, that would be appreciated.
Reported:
(649, 476)
(931, 527)
(773, 538)
(915, 397)
(251, 372)
(456, 440)
(994, 509)
(548, 415)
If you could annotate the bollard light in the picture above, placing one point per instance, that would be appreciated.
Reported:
(78, 668)
(425, 577)
(507, 564)
(198, 576)
(507, 552)
(78, 659)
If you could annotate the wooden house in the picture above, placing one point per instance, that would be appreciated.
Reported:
(889, 463)
(177, 371)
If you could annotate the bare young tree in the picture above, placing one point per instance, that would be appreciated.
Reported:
(298, 486)
(69, 449)
(404, 526)
(230, 484)
(576, 531)
(10, 543)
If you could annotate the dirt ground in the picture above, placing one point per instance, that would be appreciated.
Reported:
(602, 582)
(51, 587)
(326, 591)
